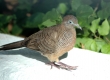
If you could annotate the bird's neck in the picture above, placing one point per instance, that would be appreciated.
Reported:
(68, 28)
(65, 29)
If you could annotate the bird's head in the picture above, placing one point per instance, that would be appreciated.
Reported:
(71, 21)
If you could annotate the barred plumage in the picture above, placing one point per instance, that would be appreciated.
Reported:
(52, 42)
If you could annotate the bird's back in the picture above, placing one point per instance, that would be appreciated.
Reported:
(53, 40)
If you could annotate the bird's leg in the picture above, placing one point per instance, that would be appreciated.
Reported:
(65, 66)
(62, 65)
(53, 64)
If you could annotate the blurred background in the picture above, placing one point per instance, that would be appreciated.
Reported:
(25, 17)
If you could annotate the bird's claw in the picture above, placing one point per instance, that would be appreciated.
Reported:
(53, 64)
(65, 66)
(62, 66)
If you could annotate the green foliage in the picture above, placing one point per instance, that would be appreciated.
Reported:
(106, 49)
(88, 43)
(104, 12)
(5, 19)
(34, 20)
(16, 30)
(62, 8)
(104, 28)
(95, 25)
(42, 20)
(50, 20)
(92, 15)
(25, 4)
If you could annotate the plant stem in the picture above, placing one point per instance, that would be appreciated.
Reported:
(107, 39)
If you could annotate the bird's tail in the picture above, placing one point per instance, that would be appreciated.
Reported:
(14, 45)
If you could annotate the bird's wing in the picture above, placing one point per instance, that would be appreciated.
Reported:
(44, 41)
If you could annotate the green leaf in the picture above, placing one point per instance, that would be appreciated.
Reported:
(86, 2)
(78, 41)
(49, 15)
(105, 4)
(106, 49)
(93, 46)
(1, 25)
(95, 25)
(86, 32)
(87, 43)
(82, 21)
(16, 30)
(50, 20)
(34, 21)
(104, 28)
(48, 23)
(4, 19)
(84, 11)
(100, 43)
(103, 13)
(90, 44)
(4, 30)
(62, 8)
(75, 4)
(25, 4)
(107, 37)
(38, 19)
(35, 1)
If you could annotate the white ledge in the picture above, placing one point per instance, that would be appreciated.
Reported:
(26, 64)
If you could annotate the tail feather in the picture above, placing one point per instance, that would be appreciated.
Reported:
(12, 45)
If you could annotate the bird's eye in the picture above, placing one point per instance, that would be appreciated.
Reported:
(70, 22)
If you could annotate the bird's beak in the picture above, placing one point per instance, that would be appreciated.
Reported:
(77, 26)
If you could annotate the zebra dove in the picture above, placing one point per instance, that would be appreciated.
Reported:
(51, 42)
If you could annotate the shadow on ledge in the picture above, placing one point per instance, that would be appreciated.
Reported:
(29, 53)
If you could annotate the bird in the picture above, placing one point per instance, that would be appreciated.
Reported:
(51, 42)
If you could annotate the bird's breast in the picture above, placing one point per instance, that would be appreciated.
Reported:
(67, 40)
